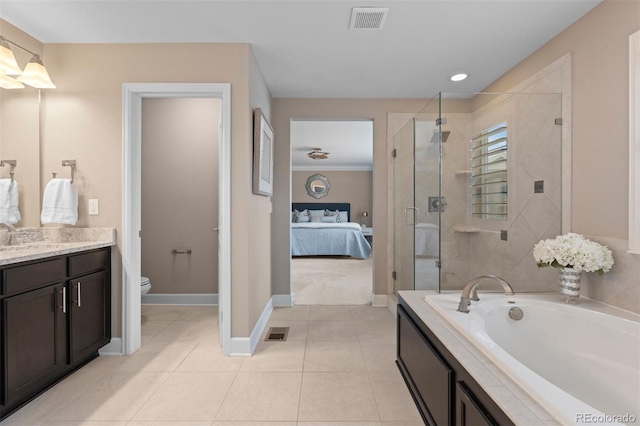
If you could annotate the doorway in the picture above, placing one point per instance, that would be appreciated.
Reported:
(332, 266)
(131, 239)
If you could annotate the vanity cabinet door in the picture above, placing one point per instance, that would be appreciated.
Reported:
(34, 341)
(469, 411)
(90, 314)
(429, 376)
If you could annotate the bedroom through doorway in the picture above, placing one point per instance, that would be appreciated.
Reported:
(331, 212)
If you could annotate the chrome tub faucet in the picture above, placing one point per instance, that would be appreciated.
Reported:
(470, 293)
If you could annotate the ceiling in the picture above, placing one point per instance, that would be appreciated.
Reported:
(304, 47)
(349, 144)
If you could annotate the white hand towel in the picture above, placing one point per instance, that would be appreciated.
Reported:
(9, 211)
(60, 203)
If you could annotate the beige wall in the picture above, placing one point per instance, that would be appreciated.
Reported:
(598, 43)
(82, 120)
(20, 130)
(372, 109)
(258, 253)
(180, 194)
(354, 187)
(600, 91)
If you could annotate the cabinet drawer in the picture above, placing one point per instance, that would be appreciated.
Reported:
(22, 278)
(88, 262)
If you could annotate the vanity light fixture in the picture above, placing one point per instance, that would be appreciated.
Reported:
(7, 82)
(8, 63)
(318, 154)
(459, 77)
(34, 74)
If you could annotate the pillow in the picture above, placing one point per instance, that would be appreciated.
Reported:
(330, 219)
(344, 216)
(329, 213)
(316, 219)
(298, 214)
(318, 213)
(303, 218)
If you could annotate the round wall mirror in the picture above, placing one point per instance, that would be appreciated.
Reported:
(317, 186)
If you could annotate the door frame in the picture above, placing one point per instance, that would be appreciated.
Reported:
(132, 96)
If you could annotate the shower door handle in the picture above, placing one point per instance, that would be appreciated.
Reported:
(406, 218)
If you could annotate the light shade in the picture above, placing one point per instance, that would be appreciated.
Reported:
(8, 64)
(10, 83)
(35, 75)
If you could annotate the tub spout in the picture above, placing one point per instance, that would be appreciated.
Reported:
(469, 292)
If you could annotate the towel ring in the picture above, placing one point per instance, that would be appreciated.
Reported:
(72, 164)
(12, 163)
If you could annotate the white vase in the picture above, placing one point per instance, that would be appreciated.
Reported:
(570, 280)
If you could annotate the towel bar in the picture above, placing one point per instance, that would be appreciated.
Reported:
(180, 252)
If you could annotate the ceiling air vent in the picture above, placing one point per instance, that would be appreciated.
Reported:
(368, 18)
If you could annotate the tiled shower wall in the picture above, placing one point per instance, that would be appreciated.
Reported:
(472, 246)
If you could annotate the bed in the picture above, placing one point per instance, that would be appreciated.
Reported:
(343, 238)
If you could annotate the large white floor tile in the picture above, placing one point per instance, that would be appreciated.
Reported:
(116, 396)
(187, 396)
(337, 396)
(157, 356)
(333, 356)
(276, 356)
(331, 331)
(393, 398)
(207, 356)
(262, 396)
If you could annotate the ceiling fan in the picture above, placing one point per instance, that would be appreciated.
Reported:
(318, 154)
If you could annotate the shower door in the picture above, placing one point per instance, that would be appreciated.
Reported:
(418, 202)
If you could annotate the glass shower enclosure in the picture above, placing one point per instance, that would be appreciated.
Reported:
(477, 182)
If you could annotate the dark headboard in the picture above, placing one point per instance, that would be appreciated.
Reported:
(321, 206)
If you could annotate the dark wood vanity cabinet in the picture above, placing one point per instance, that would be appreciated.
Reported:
(444, 392)
(56, 314)
(35, 340)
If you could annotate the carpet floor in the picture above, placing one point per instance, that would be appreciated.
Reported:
(331, 280)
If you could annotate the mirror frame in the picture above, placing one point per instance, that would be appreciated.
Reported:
(324, 180)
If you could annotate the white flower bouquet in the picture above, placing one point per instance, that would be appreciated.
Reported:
(573, 251)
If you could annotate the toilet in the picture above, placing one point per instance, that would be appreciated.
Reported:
(145, 285)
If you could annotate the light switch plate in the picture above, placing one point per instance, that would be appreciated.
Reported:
(94, 207)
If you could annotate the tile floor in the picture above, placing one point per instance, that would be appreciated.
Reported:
(336, 367)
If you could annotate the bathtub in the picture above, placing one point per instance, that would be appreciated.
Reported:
(580, 362)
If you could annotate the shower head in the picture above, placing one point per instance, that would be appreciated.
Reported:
(436, 138)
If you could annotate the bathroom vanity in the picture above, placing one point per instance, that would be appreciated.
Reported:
(56, 314)
(443, 390)
(451, 380)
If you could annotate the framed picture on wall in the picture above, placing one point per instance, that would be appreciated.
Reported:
(262, 155)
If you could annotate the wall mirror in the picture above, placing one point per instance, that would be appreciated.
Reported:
(317, 186)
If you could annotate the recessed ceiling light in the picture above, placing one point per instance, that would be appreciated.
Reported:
(458, 77)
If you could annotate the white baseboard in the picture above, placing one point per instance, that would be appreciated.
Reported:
(245, 346)
(378, 299)
(205, 299)
(282, 300)
(113, 348)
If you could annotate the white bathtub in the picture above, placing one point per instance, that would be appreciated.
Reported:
(581, 364)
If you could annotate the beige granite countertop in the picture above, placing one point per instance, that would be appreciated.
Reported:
(40, 243)
(516, 403)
